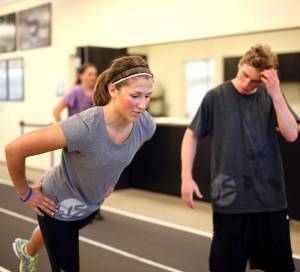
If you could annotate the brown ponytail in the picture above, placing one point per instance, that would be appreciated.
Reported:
(120, 68)
(101, 96)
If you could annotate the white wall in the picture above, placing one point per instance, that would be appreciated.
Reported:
(122, 23)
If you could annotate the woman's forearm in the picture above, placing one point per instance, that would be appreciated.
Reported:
(16, 168)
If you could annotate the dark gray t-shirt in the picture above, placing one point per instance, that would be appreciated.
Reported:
(246, 168)
(91, 163)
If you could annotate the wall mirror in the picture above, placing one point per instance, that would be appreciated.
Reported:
(184, 71)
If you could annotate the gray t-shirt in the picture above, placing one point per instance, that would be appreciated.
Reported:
(91, 163)
(246, 168)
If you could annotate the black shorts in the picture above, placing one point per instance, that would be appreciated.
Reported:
(261, 238)
(62, 241)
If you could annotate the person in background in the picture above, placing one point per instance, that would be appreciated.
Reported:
(250, 216)
(79, 97)
(97, 144)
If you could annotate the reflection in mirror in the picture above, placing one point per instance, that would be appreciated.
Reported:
(169, 63)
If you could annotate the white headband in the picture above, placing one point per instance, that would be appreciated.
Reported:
(135, 75)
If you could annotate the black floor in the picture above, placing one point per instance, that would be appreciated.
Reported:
(176, 250)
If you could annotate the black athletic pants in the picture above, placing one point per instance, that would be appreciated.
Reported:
(261, 238)
(62, 241)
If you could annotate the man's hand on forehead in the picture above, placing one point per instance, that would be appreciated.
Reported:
(268, 72)
(271, 81)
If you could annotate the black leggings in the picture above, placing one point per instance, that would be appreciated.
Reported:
(62, 241)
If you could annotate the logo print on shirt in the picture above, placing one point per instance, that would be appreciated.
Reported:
(71, 207)
(223, 190)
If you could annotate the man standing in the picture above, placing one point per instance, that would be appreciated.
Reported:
(250, 219)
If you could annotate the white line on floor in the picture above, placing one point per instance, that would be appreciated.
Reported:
(100, 245)
(155, 221)
(128, 255)
(151, 220)
(163, 223)
(19, 216)
(2, 269)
